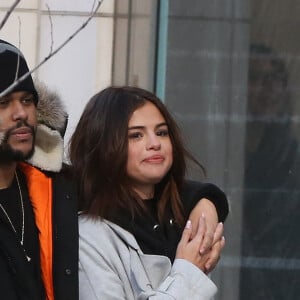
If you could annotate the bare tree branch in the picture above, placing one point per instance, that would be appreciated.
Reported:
(83, 25)
(51, 26)
(18, 62)
(9, 13)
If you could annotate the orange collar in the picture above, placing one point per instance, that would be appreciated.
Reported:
(40, 194)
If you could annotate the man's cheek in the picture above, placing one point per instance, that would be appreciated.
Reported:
(2, 134)
(1, 137)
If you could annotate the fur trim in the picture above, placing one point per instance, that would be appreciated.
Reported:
(50, 109)
(48, 149)
(52, 122)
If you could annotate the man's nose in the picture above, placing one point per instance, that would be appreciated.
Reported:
(18, 111)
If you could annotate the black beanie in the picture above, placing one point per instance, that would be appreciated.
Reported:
(12, 67)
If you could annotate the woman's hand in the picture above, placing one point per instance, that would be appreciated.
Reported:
(215, 253)
(207, 208)
(189, 246)
(213, 241)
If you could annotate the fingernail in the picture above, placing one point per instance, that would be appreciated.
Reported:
(188, 224)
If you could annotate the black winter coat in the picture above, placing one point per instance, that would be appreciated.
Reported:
(15, 282)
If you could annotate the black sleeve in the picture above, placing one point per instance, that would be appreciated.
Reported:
(17, 281)
(65, 246)
(193, 191)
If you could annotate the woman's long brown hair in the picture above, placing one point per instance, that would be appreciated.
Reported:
(99, 150)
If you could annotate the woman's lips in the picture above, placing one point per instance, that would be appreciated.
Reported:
(154, 159)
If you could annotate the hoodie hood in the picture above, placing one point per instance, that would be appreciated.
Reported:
(52, 122)
(13, 67)
(50, 109)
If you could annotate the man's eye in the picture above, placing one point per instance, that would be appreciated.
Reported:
(3, 101)
(135, 135)
(28, 100)
(163, 132)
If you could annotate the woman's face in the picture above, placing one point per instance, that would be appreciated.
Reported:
(150, 154)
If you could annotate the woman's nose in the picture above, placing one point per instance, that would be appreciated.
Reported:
(153, 142)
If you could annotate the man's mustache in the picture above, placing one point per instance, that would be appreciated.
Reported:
(5, 135)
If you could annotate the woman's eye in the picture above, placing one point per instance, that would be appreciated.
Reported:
(135, 135)
(163, 132)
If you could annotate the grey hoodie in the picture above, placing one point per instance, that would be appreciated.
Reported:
(112, 266)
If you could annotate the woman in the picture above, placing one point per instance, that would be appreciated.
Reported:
(129, 160)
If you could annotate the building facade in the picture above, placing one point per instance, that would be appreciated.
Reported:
(229, 71)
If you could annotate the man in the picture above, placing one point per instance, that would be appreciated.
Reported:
(38, 209)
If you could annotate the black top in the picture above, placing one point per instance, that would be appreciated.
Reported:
(10, 200)
(157, 239)
(16, 282)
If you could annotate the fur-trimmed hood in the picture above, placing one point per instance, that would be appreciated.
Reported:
(52, 122)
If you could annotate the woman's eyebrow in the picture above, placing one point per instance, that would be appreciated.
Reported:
(161, 124)
(142, 126)
(136, 127)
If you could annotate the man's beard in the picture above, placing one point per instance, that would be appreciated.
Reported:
(7, 153)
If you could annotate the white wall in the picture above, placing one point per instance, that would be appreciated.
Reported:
(83, 66)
